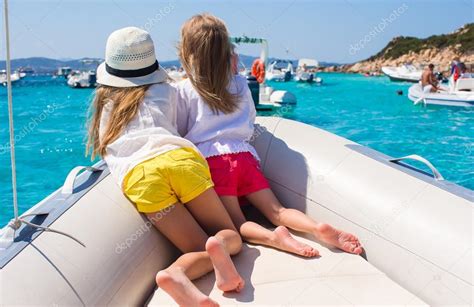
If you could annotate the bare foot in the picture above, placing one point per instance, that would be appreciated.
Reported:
(340, 239)
(227, 278)
(285, 241)
(182, 290)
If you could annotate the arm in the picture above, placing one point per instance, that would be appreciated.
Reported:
(182, 111)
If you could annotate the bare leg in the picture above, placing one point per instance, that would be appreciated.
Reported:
(268, 204)
(174, 281)
(252, 232)
(191, 239)
(209, 212)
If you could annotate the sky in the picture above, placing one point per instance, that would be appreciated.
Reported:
(342, 31)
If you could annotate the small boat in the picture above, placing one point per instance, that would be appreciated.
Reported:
(175, 73)
(372, 74)
(25, 71)
(82, 79)
(280, 70)
(64, 71)
(456, 94)
(405, 72)
(416, 229)
(306, 71)
(14, 77)
(264, 96)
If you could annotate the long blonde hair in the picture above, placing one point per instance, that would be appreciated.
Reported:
(125, 106)
(205, 52)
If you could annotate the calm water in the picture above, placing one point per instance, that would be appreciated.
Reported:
(50, 127)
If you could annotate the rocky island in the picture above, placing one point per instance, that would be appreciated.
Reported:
(437, 49)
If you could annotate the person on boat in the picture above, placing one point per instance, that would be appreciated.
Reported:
(133, 127)
(429, 83)
(216, 112)
(455, 69)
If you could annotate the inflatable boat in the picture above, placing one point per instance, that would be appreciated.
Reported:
(457, 94)
(407, 73)
(280, 70)
(306, 71)
(416, 229)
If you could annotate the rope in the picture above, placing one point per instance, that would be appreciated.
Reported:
(51, 230)
(10, 110)
(7, 236)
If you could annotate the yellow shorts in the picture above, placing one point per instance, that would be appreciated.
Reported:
(178, 175)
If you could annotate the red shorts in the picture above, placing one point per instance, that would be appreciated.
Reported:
(236, 174)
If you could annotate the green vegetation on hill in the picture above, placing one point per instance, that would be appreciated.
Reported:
(404, 44)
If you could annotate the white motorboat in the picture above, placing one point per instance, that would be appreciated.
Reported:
(416, 231)
(64, 71)
(82, 79)
(175, 73)
(405, 72)
(265, 98)
(14, 77)
(280, 70)
(306, 71)
(458, 94)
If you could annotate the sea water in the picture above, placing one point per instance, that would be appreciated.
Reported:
(50, 127)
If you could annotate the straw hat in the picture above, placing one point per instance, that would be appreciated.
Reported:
(130, 60)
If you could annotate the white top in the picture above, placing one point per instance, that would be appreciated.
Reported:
(150, 133)
(217, 134)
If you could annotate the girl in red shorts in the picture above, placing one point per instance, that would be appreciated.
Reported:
(216, 112)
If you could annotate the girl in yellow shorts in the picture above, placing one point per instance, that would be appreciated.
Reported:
(133, 127)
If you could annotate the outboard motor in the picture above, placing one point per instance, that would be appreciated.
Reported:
(287, 76)
(254, 87)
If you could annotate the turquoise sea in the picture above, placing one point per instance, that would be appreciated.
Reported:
(50, 129)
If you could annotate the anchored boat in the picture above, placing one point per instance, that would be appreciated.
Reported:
(82, 79)
(175, 73)
(13, 77)
(280, 70)
(63, 71)
(306, 71)
(405, 72)
(457, 94)
(264, 96)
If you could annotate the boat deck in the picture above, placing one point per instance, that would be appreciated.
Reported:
(277, 278)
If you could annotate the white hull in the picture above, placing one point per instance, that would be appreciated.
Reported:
(84, 79)
(280, 74)
(404, 73)
(277, 76)
(176, 75)
(457, 99)
(416, 231)
(14, 78)
(308, 78)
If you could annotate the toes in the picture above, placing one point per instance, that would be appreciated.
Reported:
(355, 249)
(313, 252)
(310, 252)
(240, 286)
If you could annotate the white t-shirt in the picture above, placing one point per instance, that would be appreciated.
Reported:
(217, 134)
(150, 133)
